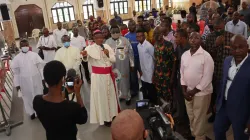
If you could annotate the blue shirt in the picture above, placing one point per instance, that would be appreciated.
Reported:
(132, 39)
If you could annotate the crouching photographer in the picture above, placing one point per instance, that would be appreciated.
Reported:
(57, 115)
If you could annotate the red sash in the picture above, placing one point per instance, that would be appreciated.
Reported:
(107, 70)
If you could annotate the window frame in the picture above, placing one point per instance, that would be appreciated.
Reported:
(118, 3)
(1, 26)
(159, 4)
(170, 3)
(63, 14)
(147, 6)
(88, 13)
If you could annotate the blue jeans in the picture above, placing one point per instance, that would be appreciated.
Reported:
(134, 85)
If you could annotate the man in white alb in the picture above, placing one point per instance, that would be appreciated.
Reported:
(27, 67)
(48, 45)
(104, 99)
(58, 33)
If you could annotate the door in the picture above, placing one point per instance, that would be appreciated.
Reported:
(28, 17)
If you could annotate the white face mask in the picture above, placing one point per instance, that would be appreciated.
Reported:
(25, 49)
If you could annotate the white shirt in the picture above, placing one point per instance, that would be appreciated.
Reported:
(146, 53)
(248, 42)
(58, 36)
(240, 28)
(78, 42)
(232, 73)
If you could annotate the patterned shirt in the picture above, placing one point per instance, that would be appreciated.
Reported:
(219, 53)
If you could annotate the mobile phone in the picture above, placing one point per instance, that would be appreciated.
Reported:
(142, 104)
(70, 84)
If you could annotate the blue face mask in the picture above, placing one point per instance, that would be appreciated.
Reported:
(66, 44)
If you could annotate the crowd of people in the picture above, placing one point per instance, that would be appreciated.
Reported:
(196, 65)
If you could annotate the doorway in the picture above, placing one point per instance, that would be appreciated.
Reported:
(28, 17)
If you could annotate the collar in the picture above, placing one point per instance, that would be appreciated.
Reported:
(199, 51)
(144, 42)
(239, 65)
(238, 24)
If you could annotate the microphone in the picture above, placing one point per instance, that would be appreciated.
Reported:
(102, 46)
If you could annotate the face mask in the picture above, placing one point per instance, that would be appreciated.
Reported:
(115, 36)
(66, 44)
(219, 33)
(25, 49)
(154, 14)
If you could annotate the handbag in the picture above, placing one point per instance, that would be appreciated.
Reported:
(40, 53)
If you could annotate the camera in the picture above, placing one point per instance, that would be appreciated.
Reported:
(156, 121)
(71, 77)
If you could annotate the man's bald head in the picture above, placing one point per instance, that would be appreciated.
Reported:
(236, 16)
(239, 48)
(128, 125)
(244, 5)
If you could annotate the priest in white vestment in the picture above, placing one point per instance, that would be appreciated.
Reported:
(27, 67)
(104, 105)
(68, 55)
(48, 44)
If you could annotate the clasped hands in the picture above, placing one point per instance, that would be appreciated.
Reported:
(188, 95)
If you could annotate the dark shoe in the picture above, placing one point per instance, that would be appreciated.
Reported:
(121, 99)
(211, 119)
(128, 101)
(108, 124)
(207, 138)
(141, 89)
(33, 116)
(191, 138)
(134, 94)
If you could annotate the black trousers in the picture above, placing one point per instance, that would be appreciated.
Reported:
(86, 70)
(149, 92)
(216, 90)
(179, 101)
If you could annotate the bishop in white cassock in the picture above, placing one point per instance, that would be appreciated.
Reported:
(104, 99)
(48, 44)
(27, 67)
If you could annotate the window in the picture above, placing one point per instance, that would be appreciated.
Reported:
(63, 12)
(170, 2)
(1, 26)
(88, 9)
(120, 6)
(141, 5)
(159, 4)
